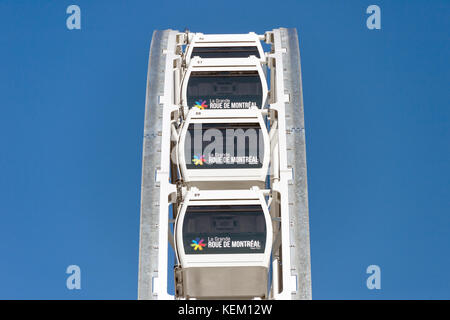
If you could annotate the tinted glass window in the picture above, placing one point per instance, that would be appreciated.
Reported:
(225, 52)
(224, 90)
(223, 146)
(224, 229)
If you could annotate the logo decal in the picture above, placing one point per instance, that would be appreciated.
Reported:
(198, 244)
(198, 160)
(201, 104)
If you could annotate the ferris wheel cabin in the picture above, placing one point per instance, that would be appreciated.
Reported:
(235, 83)
(223, 243)
(226, 147)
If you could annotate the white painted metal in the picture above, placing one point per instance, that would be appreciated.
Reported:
(154, 207)
(296, 158)
(284, 174)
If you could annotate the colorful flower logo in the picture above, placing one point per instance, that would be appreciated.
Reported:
(201, 104)
(198, 244)
(198, 160)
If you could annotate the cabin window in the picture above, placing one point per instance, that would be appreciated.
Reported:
(224, 90)
(224, 229)
(224, 146)
(225, 52)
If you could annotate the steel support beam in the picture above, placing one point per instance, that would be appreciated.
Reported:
(296, 158)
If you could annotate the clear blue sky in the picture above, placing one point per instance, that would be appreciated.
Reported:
(377, 124)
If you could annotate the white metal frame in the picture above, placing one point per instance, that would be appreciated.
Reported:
(163, 173)
(282, 174)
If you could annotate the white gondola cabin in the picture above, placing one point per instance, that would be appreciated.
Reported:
(224, 149)
(235, 83)
(223, 242)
